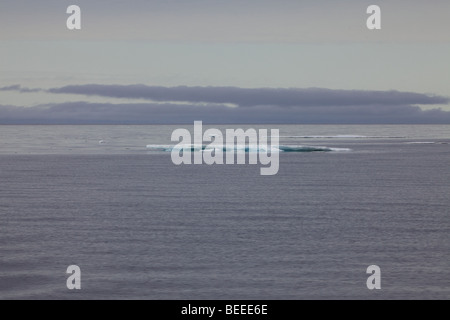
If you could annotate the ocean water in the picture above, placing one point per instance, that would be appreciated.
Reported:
(140, 227)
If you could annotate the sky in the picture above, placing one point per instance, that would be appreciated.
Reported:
(224, 61)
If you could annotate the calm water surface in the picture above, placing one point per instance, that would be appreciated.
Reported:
(140, 227)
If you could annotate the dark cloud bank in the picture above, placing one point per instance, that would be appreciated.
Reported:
(254, 97)
(264, 105)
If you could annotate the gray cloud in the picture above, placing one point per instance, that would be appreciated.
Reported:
(19, 88)
(15, 87)
(147, 113)
(210, 104)
(244, 97)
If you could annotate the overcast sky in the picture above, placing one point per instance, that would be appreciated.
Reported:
(240, 61)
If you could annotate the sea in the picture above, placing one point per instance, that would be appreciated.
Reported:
(140, 227)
